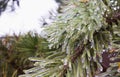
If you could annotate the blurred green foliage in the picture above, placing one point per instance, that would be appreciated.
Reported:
(15, 51)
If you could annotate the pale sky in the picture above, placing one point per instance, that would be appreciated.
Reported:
(26, 17)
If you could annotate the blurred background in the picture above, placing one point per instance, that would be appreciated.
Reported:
(27, 15)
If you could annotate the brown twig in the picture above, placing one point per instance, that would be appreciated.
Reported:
(65, 67)
(79, 50)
